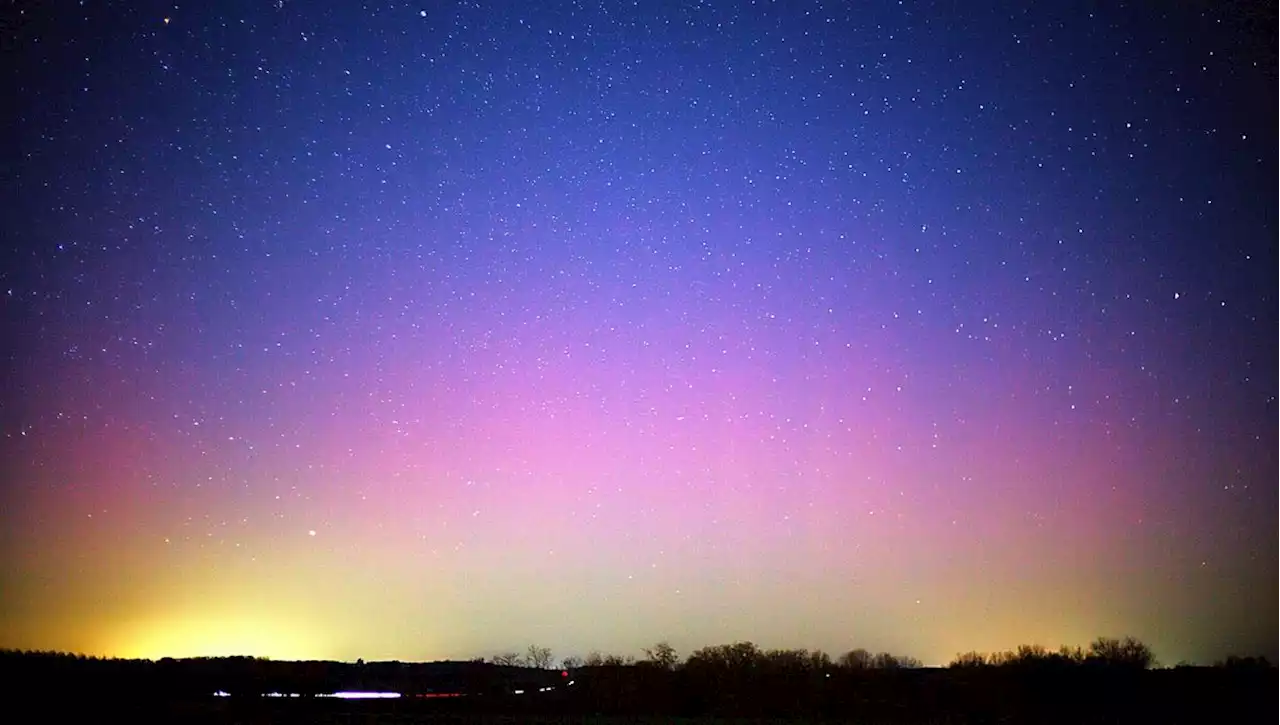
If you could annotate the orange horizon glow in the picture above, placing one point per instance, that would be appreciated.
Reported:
(215, 636)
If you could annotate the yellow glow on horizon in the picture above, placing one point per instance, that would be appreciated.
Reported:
(218, 636)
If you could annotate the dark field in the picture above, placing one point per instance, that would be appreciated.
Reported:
(1035, 689)
(934, 697)
(382, 714)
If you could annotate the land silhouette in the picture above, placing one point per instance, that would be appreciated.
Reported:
(1110, 681)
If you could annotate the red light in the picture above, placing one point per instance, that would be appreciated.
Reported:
(564, 673)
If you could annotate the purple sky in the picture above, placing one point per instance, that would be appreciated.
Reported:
(433, 330)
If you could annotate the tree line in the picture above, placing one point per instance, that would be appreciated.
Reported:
(1121, 652)
(1114, 652)
(665, 656)
(1111, 680)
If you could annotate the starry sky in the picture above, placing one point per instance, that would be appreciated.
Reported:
(433, 330)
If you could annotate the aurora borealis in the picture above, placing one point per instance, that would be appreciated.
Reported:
(433, 330)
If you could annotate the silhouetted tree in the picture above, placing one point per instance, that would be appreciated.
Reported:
(857, 659)
(887, 661)
(570, 663)
(739, 655)
(508, 659)
(1235, 662)
(969, 659)
(1000, 659)
(1129, 653)
(594, 659)
(1030, 653)
(662, 655)
(539, 657)
(787, 659)
(1072, 655)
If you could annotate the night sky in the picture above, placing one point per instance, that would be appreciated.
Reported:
(434, 330)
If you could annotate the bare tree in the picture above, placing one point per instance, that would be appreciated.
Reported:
(786, 659)
(539, 657)
(571, 663)
(1128, 652)
(1028, 653)
(736, 656)
(858, 659)
(508, 659)
(884, 661)
(1239, 663)
(663, 655)
(594, 659)
(1072, 655)
(1000, 659)
(969, 659)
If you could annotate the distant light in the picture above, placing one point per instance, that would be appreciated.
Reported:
(364, 695)
(311, 532)
(519, 692)
(221, 693)
(564, 673)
